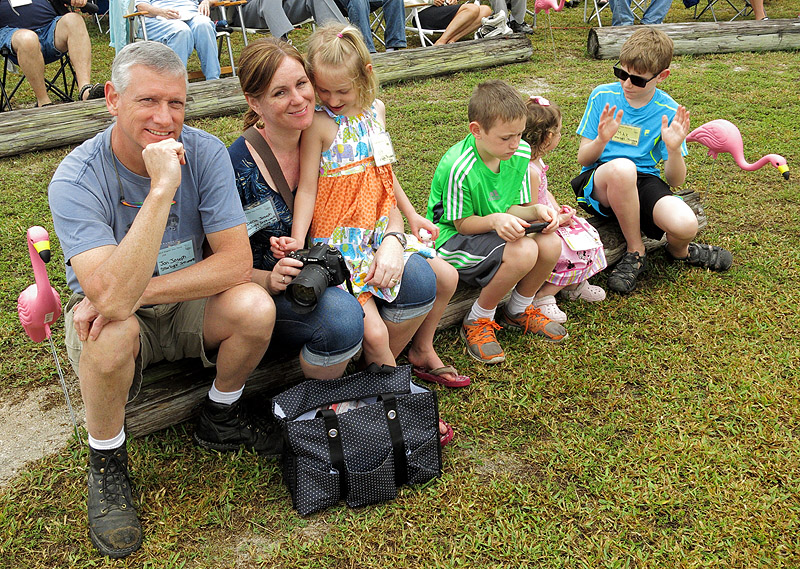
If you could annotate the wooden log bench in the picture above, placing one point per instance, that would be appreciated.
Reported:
(172, 391)
(28, 130)
(694, 38)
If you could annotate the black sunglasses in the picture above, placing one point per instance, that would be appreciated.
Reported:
(636, 80)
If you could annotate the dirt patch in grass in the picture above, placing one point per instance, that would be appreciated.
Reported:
(33, 425)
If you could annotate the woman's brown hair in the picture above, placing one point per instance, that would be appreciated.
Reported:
(257, 65)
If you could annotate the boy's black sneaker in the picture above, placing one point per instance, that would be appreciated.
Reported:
(518, 28)
(226, 428)
(623, 278)
(114, 527)
(704, 256)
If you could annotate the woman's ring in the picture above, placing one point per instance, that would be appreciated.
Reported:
(395, 281)
(283, 279)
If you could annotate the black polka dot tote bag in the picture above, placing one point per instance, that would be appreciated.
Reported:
(357, 438)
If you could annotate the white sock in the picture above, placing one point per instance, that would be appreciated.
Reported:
(477, 311)
(109, 444)
(518, 303)
(224, 398)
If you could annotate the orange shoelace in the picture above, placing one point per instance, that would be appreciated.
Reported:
(534, 319)
(482, 331)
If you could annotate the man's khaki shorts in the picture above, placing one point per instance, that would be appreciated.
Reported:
(166, 332)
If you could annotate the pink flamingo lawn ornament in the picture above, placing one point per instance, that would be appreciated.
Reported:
(39, 305)
(546, 6)
(723, 136)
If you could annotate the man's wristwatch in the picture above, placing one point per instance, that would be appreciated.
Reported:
(400, 237)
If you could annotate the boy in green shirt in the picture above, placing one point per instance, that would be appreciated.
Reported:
(475, 183)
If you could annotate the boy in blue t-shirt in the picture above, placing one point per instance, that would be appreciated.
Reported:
(627, 130)
(474, 185)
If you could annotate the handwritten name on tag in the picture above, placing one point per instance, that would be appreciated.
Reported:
(628, 134)
(175, 257)
(260, 215)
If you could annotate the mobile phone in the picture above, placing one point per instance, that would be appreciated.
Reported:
(536, 227)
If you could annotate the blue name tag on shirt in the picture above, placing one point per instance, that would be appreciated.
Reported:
(260, 215)
(175, 257)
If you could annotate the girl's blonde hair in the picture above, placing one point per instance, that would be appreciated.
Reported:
(257, 65)
(541, 122)
(342, 47)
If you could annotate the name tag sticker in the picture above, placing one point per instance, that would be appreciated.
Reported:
(382, 149)
(176, 256)
(628, 134)
(580, 236)
(260, 215)
(18, 3)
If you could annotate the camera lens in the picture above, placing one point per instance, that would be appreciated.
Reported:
(306, 288)
(303, 295)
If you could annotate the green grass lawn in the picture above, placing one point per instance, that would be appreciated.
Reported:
(663, 433)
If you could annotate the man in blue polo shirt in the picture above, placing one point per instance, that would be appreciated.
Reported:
(36, 34)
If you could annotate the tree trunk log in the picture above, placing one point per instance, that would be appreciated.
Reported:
(705, 37)
(172, 392)
(70, 123)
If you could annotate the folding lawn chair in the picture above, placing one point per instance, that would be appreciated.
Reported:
(413, 25)
(599, 6)
(744, 10)
(60, 84)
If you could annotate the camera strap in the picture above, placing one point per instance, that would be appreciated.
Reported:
(260, 145)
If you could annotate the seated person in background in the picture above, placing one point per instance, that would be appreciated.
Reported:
(627, 130)
(281, 17)
(758, 10)
(132, 208)
(394, 15)
(622, 14)
(475, 183)
(516, 9)
(37, 33)
(456, 20)
(184, 25)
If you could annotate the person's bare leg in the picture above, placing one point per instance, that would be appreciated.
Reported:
(615, 187)
(679, 223)
(106, 372)
(25, 44)
(549, 249)
(400, 333)
(548, 289)
(466, 20)
(71, 37)
(519, 257)
(376, 337)
(239, 321)
(758, 9)
(422, 353)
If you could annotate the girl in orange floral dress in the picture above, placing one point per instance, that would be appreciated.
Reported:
(346, 198)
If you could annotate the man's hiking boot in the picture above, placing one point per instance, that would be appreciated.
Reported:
(228, 427)
(624, 276)
(114, 527)
(532, 321)
(481, 341)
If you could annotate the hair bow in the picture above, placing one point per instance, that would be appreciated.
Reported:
(541, 101)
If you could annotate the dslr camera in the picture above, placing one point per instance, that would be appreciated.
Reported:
(323, 266)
